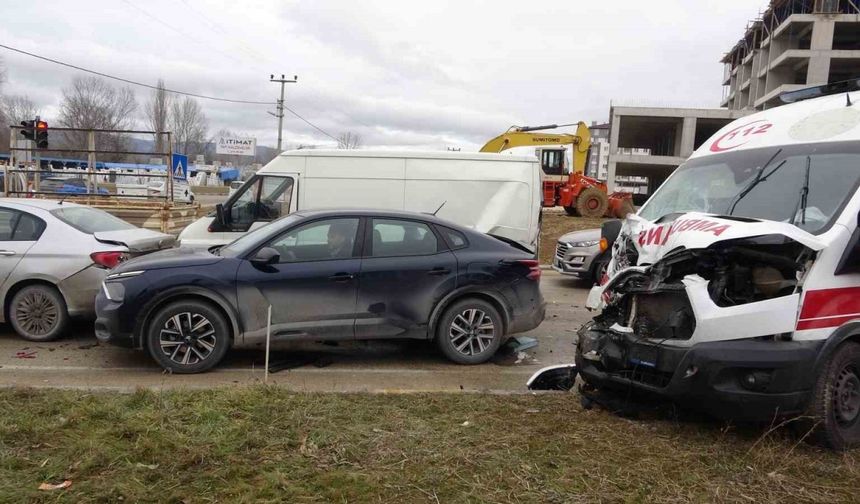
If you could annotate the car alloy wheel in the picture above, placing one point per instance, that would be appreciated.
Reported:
(846, 396)
(36, 313)
(187, 338)
(472, 332)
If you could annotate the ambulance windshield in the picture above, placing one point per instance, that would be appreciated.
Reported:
(726, 184)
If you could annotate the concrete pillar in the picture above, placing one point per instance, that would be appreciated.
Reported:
(614, 128)
(688, 137)
(818, 71)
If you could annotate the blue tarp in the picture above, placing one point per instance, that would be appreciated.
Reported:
(228, 174)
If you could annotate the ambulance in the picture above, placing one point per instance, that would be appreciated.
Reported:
(735, 289)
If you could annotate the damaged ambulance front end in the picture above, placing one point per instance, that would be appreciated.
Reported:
(703, 297)
(700, 309)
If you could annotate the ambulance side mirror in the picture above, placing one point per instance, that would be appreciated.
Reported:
(850, 260)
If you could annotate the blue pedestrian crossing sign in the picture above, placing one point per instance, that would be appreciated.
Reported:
(179, 167)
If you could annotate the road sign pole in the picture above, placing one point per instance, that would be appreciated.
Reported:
(38, 155)
(168, 184)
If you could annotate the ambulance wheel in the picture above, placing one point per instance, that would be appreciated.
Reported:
(592, 202)
(835, 401)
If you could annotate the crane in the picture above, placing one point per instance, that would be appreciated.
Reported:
(577, 193)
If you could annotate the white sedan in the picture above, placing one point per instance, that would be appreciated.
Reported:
(54, 256)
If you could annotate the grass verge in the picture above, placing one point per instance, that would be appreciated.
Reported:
(267, 445)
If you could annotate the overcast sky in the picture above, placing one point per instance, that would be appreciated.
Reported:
(429, 74)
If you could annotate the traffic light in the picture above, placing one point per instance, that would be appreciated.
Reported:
(42, 134)
(29, 131)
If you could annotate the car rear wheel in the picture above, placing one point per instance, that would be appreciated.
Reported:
(835, 405)
(38, 313)
(470, 331)
(188, 337)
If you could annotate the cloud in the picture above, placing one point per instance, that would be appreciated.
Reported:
(400, 74)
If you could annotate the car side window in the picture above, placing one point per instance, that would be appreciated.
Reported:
(455, 239)
(402, 238)
(19, 226)
(318, 241)
(28, 228)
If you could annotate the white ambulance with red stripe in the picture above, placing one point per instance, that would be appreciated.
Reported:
(736, 287)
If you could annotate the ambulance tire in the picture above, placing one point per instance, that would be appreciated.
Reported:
(835, 402)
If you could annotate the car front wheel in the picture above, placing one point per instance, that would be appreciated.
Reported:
(188, 337)
(470, 331)
(835, 405)
(38, 313)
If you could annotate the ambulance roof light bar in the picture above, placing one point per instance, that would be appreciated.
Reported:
(817, 91)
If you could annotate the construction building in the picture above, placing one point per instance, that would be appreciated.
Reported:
(598, 161)
(649, 143)
(793, 44)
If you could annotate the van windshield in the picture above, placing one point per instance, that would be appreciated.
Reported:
(766, 184)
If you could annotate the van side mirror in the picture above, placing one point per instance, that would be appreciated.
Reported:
(220, 216)
(266, 256)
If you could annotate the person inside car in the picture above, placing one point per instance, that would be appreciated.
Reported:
(340, 239)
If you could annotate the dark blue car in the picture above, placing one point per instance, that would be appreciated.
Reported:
(328, 275)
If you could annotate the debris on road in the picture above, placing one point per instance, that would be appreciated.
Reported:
(55, 486)
(26, 355)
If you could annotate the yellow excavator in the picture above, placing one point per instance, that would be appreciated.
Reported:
(571, 189)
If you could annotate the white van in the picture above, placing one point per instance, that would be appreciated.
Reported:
(497, 194)
(736, 287)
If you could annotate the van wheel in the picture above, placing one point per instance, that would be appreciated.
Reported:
(38, 313)
(470, 331)
(835, 402)
(188, 337)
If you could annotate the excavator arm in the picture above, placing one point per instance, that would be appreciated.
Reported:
(523, 137)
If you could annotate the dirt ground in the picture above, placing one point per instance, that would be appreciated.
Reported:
(556, 224)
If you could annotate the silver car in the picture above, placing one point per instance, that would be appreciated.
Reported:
(578, 253)
(54, 256)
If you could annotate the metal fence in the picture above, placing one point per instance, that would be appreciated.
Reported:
(25, 176)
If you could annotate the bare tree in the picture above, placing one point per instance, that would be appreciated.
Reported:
(157, 112)
(13, 110)
(17, 108)
(189, 126)
(349, 140)
(90, 102)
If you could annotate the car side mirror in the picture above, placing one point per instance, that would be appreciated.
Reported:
(266, 256)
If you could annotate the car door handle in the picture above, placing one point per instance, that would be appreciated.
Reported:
(7, 253)
(439, 271)
(341, 277)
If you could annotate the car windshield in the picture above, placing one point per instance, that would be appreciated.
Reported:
(764, 184)
(248, 241)
(90, 220)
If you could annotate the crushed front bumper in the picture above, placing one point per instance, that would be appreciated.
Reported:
(749, 379)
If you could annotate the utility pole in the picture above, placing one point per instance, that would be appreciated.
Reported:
(280, 113)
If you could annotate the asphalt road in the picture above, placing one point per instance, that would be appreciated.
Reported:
(79, 361)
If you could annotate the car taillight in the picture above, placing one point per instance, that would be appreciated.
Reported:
(533, 266)
(108, 260)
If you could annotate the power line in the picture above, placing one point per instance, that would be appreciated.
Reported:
(312, 125)
(129, 81)
(185, 35)
(172, 91)
(230, 36)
